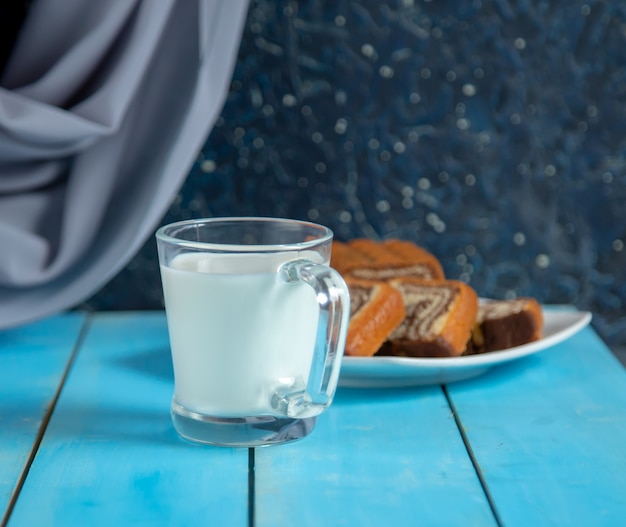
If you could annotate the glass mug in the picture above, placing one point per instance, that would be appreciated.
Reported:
(257, 322)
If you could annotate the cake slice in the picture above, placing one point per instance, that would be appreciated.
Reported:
(439, 318)
(369, 260)
(504, 324)
(426, 264)
(376, 309)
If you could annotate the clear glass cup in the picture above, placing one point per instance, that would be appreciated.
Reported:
(257, 322)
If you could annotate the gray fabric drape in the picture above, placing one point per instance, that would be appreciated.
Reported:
(103, 109)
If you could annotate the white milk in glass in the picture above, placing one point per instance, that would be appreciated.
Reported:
(236, 335)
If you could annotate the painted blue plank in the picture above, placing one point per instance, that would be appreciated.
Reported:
(376, 457)
(110, 455)
(33, 359)
(549, 435)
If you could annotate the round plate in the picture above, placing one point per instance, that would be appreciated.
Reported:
(379, 372)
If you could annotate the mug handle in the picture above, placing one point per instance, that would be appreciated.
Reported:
(333, 299)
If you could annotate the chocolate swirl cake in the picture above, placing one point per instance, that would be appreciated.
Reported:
(504, 324)
(369, 260)
(439, 318)
(376, 309)
(402, 305)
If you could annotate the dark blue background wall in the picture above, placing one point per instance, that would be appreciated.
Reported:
(491, 132)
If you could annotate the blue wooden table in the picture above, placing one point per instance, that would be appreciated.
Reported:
(86, 439)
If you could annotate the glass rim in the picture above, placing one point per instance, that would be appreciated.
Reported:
(163, 234)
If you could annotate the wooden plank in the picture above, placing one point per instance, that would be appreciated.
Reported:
(33, 359)
(376, 457)
(549, 435)
(110, 455)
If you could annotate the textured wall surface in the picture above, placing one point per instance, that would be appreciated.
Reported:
(491, 132)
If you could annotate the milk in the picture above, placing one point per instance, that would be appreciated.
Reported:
(238, 332)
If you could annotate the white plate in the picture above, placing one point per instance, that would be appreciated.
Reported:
(381, 372)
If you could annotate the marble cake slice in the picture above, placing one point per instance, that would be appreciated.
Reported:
(439, 318)
(376, 309)
(382, 261)
(504, 324)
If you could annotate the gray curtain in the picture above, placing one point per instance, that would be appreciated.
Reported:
(104, 106)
